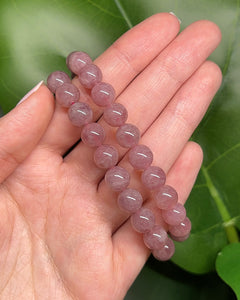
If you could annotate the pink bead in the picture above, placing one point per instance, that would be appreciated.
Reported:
(153, 177)
(77, 60)
(117, 178)
(180, 238)
(175, 215)
(115, 115)
(90, 75)
(143, 220)
(93, 134)
(130, 200)
(182, 229)
(67, 94)
(165, 252)
(103, 94)
(106, 156)
(80, 114)
(56, 79)
(128, 135)
(140, 157)
(166, 197)
(155, 238)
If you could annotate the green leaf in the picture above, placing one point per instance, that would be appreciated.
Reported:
(228, 266)
(35, 38)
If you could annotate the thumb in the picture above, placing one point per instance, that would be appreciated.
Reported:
(23, 127)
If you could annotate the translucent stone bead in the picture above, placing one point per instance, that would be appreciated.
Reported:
(106, 156)
(115, 115)
(155, 238)
(153, 178)
(180, 238)
(93, 134)
(140, 157)
(80, 114)
(77, 60)
(67, 94)
(166, 252)
(182, 229)
(103, 94)
(175, 215)
(166, 197)
(90, 75)
(143, 220)
(130, 200)
(117, 178)
(56, 79)
(128, 135)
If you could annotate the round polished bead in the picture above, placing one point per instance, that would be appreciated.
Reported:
(103, 94)
(130, 200)
(117, 178)
(56, 79)
(155, 238)
(180, 238)
(182, 229)
(175, 215)
(166, 252)
(140, 157)
(90, 75)
(80, 114)
(67, 94)
(143, 220)
(166, 197)
(128, 135)
(153, 177)
(93, 134)
(77, 60)
(115, 115)
(106, 156)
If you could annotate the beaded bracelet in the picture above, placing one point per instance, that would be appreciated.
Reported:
(106, 156)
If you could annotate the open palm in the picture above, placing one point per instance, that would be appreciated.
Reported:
(62, 235)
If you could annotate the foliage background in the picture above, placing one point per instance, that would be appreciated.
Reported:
(35, 38)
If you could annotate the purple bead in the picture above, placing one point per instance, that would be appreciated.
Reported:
(67, 94)
(143, 220)
(130, 200)
(80, 114)
(180, 238)
(115, 115)
(165, 252)
(155, 238)
(128, 135)
(166, 197)
(90, 75)
(140, 157)
(77, 60)
(93, 135)
(175, 215)
(106, 156)
(56, 79)
(103, 94)
(153, 178)
(117, 178)
(182, 229)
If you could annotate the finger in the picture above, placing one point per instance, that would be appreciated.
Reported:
(129, 249)
(160, 80)
(169, 133)
(22, 128)
(131, 53)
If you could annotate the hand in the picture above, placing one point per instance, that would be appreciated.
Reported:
(62, 235)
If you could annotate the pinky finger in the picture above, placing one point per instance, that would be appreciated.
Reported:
(129, 249)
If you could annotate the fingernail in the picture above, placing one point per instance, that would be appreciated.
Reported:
(31, 92)
(172, 13)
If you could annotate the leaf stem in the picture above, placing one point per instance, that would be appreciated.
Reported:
(231, 231)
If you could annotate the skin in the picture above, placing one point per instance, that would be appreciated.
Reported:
(62, 235)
